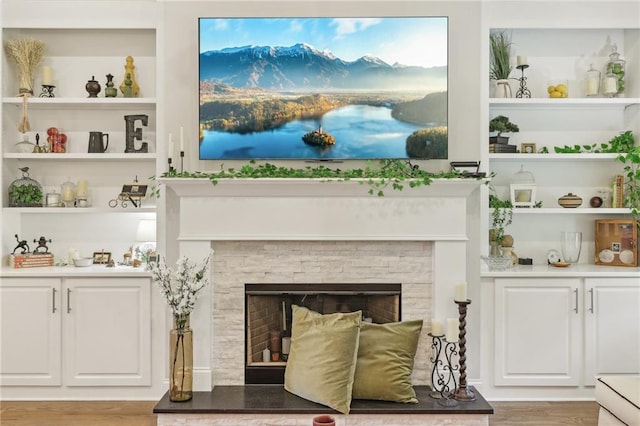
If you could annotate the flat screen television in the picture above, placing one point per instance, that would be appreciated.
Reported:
(323, 88)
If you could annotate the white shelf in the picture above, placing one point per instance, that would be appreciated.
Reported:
(579, 210)
(71, 211)
(82, 157)
(569, 103)
(574, 270)
(75, 103)
(554, 157)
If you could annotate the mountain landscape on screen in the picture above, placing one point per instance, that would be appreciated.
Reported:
(339, 101)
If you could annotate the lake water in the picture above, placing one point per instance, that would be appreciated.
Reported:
(360, 131)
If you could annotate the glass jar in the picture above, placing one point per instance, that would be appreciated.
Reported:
(593, 81)
(68, 190)
(615, 73)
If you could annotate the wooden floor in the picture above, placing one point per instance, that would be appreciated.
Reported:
(139, 413)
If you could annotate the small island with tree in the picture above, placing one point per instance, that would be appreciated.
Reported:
(318, 137)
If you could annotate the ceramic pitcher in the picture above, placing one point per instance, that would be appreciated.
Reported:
(98, 141)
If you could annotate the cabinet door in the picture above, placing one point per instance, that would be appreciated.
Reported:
(537, 332)
(30, 325)
(612, 327)
(107, 329)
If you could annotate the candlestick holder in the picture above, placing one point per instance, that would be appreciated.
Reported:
(170, 166)
(462, 393)
(47, 91)
(442, 373)
(181, 162)
(523, 92)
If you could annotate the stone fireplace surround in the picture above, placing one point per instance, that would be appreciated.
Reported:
(305, 230)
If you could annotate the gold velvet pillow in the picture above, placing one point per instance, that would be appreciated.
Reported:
(385, 361)
(322, 358)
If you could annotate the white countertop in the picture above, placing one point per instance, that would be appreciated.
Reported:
(73, 271)
(574, 270)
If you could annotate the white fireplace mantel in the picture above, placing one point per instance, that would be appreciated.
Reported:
(199, 214)
(306, 209)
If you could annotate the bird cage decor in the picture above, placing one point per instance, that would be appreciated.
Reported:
(25, 192)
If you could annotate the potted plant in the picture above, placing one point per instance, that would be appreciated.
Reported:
(500, 62)
(501, 124)
(501, 217)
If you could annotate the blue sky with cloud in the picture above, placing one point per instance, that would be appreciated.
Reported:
(408, 41)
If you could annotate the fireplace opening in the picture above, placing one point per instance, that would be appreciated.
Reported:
(268, 318)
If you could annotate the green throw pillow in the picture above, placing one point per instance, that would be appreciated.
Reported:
(385, 361)
(322, 358)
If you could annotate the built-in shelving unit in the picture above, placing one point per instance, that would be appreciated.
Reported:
(79, 48)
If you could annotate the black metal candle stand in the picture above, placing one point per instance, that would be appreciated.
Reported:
(462, 393)
(442, 377)
(170, 166)
(523, 92)
(181, 162)
(47, 91)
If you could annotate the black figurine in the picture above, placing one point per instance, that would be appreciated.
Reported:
(22, 244)
(42, 244)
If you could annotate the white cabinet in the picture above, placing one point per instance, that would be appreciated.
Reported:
(107, 331)
(537, 332)
(612, 327)
(30, 332)
(76, 331)
(555, 331)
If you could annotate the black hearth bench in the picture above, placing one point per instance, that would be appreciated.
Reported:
(273, 399)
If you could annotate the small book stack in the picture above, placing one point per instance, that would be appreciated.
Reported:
(617, 199)
(501, 148)
(30, 260)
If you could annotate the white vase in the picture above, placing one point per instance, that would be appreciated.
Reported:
(503, 89)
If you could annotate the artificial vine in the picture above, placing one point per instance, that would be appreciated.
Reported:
(393, 173)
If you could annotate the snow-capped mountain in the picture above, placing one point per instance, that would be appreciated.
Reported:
(302, 67)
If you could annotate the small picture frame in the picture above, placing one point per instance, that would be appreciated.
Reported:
(616, 247)
(523, 195)
(528, 148)
(101, 257)
(134, 190)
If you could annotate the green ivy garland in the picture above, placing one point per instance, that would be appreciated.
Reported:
(392, 173)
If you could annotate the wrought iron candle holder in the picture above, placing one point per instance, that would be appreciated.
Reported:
(170, 166)
(523, 92)
(47, 91)
(462, 393)
(181, 162)
(443, 380)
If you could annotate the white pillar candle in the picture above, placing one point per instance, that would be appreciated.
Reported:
(47, 76)
(181, 139)
(266, 355)
(521, 60)
(436, 328)
(461, 292)
(592, 87)
(82, 188)
(452, 330)
(286, 345)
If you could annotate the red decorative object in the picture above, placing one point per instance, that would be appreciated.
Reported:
(324, 420)
(57, 141)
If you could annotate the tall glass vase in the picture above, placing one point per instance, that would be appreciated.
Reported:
(181, 359)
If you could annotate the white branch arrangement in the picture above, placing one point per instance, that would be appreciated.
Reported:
(181, 288)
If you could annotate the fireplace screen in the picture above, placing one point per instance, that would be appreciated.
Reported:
(268, 318)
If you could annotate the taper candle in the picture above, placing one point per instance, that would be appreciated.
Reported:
(181, 138)
(170, 149)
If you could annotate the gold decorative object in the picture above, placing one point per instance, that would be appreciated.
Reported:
(129, 77)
